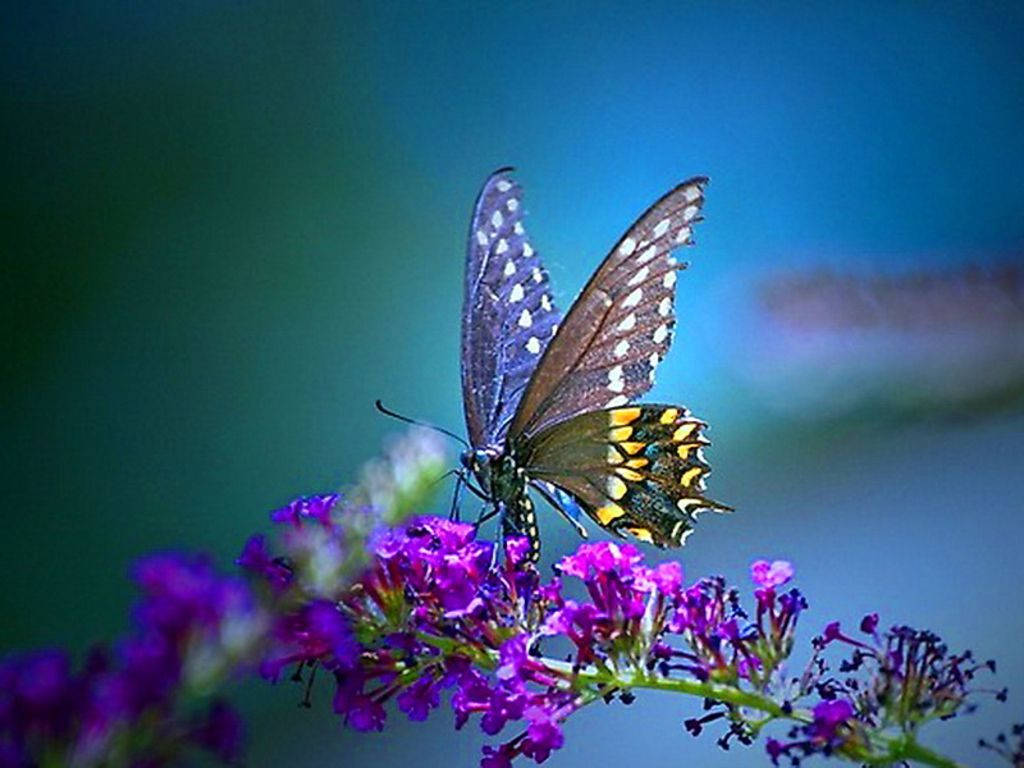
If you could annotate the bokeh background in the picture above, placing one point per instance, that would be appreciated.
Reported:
(228, 227)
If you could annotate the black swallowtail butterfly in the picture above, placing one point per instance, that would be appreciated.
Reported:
(548, 399)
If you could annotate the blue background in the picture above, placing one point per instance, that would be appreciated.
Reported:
(230, 226)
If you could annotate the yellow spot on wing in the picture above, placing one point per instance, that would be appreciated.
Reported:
(621, 416)
(629, 474)
(608, 513)
(619, 434)
(689, 475)
(684, 449)
(643, 534)
(637, 463)
(684, 431)
(616, 488)
(632, 447)
(668, 416)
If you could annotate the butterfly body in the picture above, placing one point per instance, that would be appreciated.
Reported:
(548, 398)
(504, 483)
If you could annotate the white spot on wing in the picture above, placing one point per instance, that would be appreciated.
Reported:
(670, 279)
(503, 186)
(497, 219)
(501, 247)
(639, 277)
(692, 193)
(537, 275)
(654, 359)
(518, 228)
(512, 204)
(545, 302)
(481, 237)
(517, 293)
(510, 268)
(689, 212)
(633, 299)
(525, 319)
(628, 323)
(684, 235)
(621, 348)
(616, 401)
(662, 227)
(647, 255)
(659, 335)
(533, 345)
(627, 247)
(665, 306)
(527, 250)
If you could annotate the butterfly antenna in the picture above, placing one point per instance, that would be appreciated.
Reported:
(407, 420)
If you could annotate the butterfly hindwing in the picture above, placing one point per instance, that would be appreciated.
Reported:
(508, 313)
(635, 470)
(619, 329)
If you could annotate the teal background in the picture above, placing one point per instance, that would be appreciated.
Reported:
(228, 227)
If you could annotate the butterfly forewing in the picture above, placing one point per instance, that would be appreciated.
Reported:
(620, 327)
(508, 314)
(636, 470)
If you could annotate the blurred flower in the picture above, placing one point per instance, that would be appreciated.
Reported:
(194, 629)
(925, 340)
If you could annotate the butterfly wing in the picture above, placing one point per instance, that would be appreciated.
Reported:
(620, 327)
(638, 470)
(508, 315)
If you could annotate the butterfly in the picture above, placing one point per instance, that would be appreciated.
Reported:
(548, 399)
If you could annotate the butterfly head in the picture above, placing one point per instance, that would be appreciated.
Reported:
(478, 461)
(494, 469)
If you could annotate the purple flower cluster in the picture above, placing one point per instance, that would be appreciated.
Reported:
(192, 629)
(432, 616)
(406, 616)
(432, 613)
(898, 679)
(903, 676)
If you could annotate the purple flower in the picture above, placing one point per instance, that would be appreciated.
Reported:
(256, 559)
(497, 758)
(770, 575)
(513, 658)
(419, 698)
(502, 707)
(828, 716)
(544, 734)
(316, 508)
(869, 623)
(600, 557)
(668, 578)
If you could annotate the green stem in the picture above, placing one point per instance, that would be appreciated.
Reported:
(884, 750)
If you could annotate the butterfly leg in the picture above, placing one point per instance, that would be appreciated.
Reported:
(453, 513)
(499, 539)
